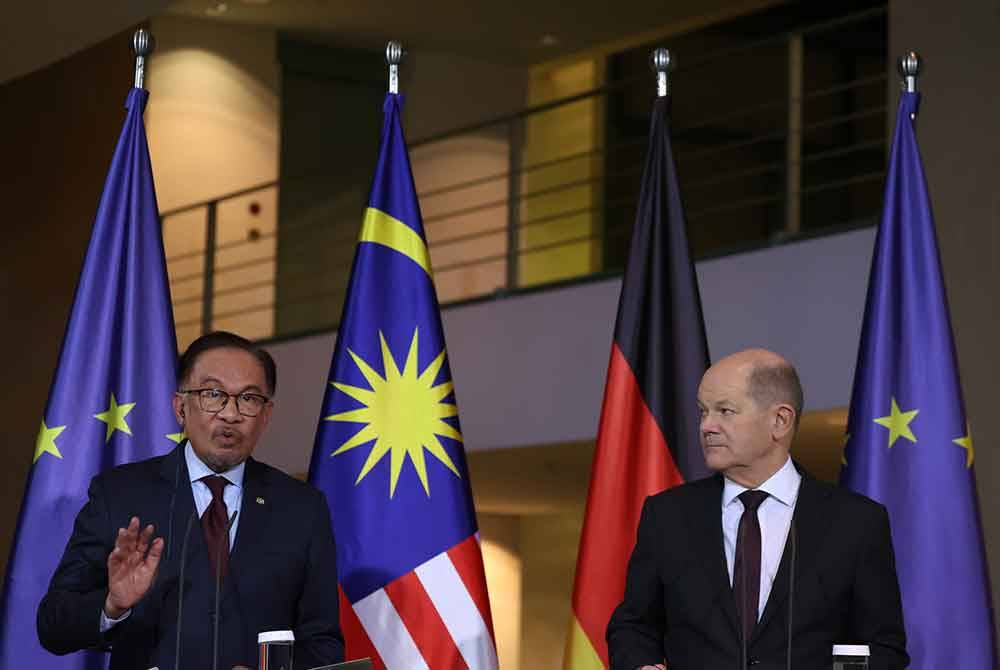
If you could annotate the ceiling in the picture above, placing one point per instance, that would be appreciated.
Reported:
(39, 33)
(516, 31)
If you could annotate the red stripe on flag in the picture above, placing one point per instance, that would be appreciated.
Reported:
(467, 557)
(631, 462)
(356, 641)
(426, 628)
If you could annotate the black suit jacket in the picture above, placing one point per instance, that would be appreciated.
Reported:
(282, 572)
(679, 604)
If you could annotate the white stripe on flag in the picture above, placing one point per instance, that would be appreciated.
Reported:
(459, 612)
(387, 632)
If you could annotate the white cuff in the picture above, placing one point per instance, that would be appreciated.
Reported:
(107, 623)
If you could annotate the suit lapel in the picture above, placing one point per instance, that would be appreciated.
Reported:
(255, 512)
(704, 516)
(180, 504)
(809, 523)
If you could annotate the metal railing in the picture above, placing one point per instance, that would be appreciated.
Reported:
(548, 194)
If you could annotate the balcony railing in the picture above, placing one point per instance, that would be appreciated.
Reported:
(797, 147)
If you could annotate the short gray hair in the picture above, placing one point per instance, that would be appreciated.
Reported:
(770, 383)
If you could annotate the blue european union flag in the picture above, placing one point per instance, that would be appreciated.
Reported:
(909, 446)
(389, 451)
(110, 399)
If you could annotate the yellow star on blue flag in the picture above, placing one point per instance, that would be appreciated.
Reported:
(898, 424)
(966, 443)
(46, 441)
(114, 416)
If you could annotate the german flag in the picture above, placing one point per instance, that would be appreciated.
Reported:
(648, 435)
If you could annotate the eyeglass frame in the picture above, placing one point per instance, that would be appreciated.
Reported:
(225, 403)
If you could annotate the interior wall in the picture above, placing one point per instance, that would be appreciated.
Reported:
(212, 123)
(959, 142)
(213, 115)
(548, 554)
(503, 563)
(445, 91)
(58, 130)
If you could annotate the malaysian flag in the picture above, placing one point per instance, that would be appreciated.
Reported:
(389, 451)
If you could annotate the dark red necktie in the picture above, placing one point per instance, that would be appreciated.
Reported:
(214, 523)
(746, 567)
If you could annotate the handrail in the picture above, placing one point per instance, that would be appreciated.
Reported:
(593, 92)
(582, 197)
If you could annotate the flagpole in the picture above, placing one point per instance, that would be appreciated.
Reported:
(909, 67)
(394, 55)
(142, 45)
(661, 61)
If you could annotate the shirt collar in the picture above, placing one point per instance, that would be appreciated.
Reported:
(197, 468)
(783, 486)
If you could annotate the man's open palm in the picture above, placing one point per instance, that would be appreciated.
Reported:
(131, 567)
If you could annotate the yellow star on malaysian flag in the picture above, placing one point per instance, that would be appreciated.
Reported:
(403, 413)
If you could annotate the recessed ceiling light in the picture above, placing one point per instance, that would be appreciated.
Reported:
(548, 40)
(217, 9)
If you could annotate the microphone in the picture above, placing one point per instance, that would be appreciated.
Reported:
(218, 585)
(791, 589)
(180, 588)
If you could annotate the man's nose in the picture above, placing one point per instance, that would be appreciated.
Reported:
(230, 412)
(708, 424)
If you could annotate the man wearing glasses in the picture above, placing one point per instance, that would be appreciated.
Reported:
(255, 539)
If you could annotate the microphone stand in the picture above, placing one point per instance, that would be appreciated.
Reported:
(180, 589)
(791, 592)
(218, 585)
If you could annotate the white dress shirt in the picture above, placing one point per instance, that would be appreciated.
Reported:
(232, 495)
(775, 515)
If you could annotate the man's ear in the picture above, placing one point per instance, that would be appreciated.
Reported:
(784, 421)
(178, 403)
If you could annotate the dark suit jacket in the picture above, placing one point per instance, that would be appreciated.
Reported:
(282, 572)
(679, 605)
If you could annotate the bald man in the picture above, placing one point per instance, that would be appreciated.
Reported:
(708, 582)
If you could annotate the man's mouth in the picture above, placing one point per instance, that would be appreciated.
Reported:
(227, 435)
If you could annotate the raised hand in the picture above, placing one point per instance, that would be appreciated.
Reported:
(131, 567)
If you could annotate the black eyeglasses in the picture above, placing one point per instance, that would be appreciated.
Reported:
(215, 400)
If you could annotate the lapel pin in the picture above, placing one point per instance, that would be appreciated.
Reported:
(260, 501)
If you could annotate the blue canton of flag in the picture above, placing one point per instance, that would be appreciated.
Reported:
(389, 452)
(909, 446)
(110, 399)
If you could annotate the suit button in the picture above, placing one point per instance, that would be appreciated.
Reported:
(753, 661)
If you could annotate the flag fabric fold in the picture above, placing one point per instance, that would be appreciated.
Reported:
(648, 435)
(389, 453)
(110, 399)
(908, 445)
